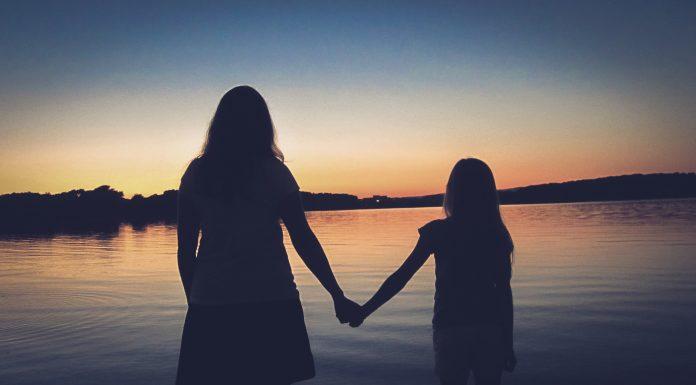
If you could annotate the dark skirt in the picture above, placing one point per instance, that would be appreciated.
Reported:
(260, 343)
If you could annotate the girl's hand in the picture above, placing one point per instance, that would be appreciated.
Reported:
(510, 361)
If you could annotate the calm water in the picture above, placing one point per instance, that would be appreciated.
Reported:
(605, 294)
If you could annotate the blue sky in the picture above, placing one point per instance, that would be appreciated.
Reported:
(120, 93)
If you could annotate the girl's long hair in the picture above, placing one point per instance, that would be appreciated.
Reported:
(471, 199)
(241, 134)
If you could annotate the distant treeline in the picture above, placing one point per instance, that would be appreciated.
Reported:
(613, 188)
(105, 208)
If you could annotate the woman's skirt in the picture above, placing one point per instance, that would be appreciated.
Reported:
(248, 343)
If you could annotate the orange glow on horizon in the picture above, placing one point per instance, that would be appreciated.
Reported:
(384, 144)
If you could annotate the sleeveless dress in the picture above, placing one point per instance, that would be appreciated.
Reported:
(245, 323)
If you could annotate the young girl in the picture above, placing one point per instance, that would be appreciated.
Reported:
(472, 324)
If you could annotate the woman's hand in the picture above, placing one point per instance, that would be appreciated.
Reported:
(346, 310)
(359, 319)
(510, 361)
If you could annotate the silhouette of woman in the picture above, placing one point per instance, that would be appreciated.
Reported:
(245, 323)
(472, 324)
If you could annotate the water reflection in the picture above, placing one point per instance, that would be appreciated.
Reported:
(604, 294)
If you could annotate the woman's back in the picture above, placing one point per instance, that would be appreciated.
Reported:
(245, 323)
(241, 257)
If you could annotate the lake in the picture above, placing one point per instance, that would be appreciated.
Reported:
(605, 293)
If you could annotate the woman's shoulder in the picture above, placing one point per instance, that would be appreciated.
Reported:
(275, 169)
(193, 165)
(274, 164)
(278, 175)
(187, 179)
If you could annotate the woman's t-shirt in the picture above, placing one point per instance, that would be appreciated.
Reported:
(470, 268)
(241, 256)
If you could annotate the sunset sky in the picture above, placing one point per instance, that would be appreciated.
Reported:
(367, 98)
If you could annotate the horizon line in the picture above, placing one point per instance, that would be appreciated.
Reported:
(375, 195)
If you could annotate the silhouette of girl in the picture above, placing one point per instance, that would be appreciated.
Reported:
(472, 324)
(245, 323)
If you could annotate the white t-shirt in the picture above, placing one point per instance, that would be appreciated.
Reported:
(241, 256)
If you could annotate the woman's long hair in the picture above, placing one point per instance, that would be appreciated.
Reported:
(241, 134)
(472, 199)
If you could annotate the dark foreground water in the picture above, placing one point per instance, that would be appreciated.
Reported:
(605, 294)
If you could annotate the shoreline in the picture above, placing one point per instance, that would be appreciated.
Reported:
(106, 208)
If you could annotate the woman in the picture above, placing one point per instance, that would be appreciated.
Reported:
(245, 323)
(472, 322)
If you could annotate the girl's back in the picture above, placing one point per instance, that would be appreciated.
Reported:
(471, 266)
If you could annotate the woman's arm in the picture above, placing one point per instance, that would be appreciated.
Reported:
(506, 307)
(188, 228)
(396, 281)
(312, 254)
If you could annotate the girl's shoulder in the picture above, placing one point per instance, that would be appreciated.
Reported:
(435, 225)
(433, 231)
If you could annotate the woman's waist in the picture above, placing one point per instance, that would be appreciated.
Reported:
(232, 253)
(243, 259)
(252, 306)
(243, 271)
(217, 286)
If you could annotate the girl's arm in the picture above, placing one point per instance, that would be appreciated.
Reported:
(188, 228)
(312, 254)
(396, 281)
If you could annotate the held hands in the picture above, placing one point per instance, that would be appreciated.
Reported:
(356, 322)
(349, 312)
(346, 310)
(358, 318)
